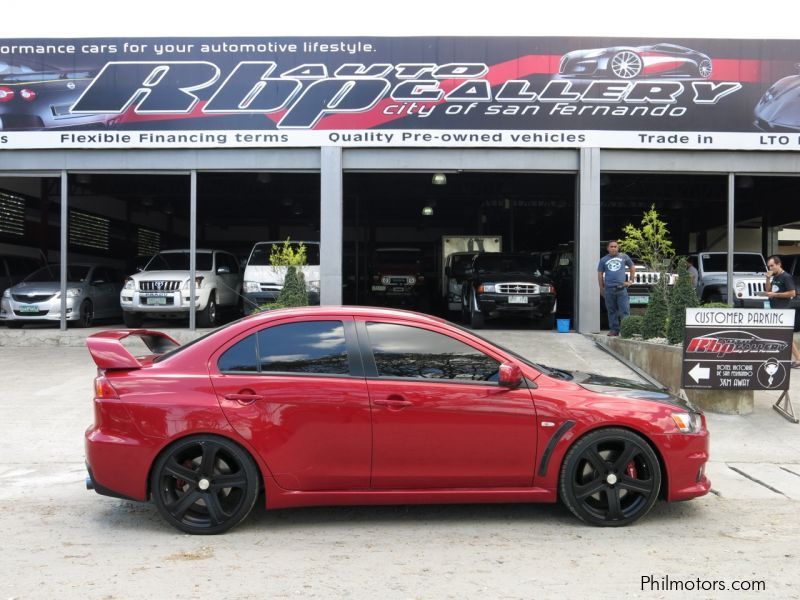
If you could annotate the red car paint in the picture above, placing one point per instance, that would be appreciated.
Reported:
(345, 440)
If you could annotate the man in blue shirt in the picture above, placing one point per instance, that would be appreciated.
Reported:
(614, 285)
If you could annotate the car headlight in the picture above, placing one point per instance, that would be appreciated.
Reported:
(198, 281)
(739, 286)
(251, 287)
(411, 280)
(688, 422)
(130, 284)
(487, 288)
(71, 293)
(385, 280)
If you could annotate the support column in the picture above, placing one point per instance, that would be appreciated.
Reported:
(192, 249)
(63, 252)
(731, 230)
(587, 242)
(331, 227)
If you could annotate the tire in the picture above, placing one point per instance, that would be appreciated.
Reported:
(85, 315)
(626, 64)
(476, 319)
(204, 484)
(610, 478)
(704, 69)
(208, 316)
(132, 320)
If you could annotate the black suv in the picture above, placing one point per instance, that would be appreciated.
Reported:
(505, 284)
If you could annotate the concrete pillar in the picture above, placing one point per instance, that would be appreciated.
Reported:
(587, 242)
(731, 231)
(331, 227)
(63, 248)
(192, 249)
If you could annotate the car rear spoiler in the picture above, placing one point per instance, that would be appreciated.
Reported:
(108, 352)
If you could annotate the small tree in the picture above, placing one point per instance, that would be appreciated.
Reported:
(287, 255)
(649, 243)
(294, 290)
(654, 324)
(683, 296)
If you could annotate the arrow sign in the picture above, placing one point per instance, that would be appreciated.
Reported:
(697, 373)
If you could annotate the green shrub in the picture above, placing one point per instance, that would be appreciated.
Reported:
(294, 289)
(715, 305)
(631, 326)
(654, 323)
(683, 296)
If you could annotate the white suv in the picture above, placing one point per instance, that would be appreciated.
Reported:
(161, 289)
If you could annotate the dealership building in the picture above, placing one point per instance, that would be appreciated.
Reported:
(112, 149)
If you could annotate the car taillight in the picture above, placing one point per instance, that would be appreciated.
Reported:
(6, 94)
(27, 95)
(103, 388)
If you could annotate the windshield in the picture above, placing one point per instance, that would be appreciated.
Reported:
(506, 263)
(742, 263)
(52, 273)
(178, 261)
(397, 257)
(261, 253)
(460, 264)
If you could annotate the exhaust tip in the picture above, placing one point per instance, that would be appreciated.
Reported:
(89, 482)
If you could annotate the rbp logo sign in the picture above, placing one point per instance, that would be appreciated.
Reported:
(306, 92)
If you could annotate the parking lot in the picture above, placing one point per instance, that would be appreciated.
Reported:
(60, 540)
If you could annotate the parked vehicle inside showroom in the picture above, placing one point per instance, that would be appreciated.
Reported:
(92, 294)
(506, 284)
(161, 289)
(360, 405)
(398, 278)
(34, 95)
(749, 278)
(457, 252)
(628, 62)
(263, 281)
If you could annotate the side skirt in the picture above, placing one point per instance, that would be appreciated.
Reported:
(278, 497)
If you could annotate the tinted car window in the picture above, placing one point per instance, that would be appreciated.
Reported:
(402, 351)
(178, 261)
(316, 347)
(242, 357)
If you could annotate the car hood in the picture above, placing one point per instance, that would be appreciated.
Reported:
(514, 276)
(167, 275)
(626, 388)
(41, 287)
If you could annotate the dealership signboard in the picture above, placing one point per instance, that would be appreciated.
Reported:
(400, 92)
(737, 349)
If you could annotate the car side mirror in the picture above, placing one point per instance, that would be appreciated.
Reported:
(223, 270)
(510, 376)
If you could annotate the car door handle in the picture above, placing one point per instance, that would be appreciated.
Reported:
(393, 403)
(243, 397)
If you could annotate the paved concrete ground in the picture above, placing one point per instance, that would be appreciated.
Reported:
(59, 540)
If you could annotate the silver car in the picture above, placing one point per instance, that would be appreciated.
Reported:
(92, 293)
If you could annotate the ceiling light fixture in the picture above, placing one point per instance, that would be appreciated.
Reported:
(439, 179)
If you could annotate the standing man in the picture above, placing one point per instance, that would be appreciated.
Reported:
(613, 285)
(780, 291)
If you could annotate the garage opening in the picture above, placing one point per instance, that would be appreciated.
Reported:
(402, 224)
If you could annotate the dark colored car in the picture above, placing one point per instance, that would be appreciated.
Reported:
(629, 62)
(34, 96)
(779, 107)
(507, 284)
(355, 405)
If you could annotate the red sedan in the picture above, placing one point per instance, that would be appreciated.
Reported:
(356, 405)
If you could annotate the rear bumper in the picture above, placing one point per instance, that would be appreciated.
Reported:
(119, 463)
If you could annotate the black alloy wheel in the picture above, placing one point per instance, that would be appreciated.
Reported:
(204, 484)
(610, 478)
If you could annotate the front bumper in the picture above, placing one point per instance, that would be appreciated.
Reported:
(685, 457)
(536, 305)
(174, 303)
(48, 310)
